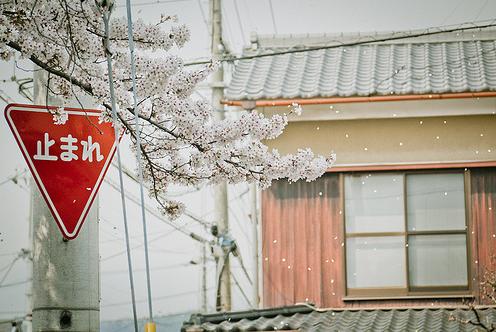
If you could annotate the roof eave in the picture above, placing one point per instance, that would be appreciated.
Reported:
(251, 104)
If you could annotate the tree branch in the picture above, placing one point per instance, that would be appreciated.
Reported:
(86, 87)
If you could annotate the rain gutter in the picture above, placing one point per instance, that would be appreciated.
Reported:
(251, 104)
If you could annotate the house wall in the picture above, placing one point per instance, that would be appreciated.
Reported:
(390, 109)
(302, 223)
(303, 244)
(391, 141)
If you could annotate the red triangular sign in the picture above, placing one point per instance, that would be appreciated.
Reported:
(68, 161)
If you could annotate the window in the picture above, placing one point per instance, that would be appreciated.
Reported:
(406, 234)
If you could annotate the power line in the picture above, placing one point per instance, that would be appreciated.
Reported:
(9, 267)
(118, 238)
(272, 16)
(158, 216)
(204, 17)
(166, 267)
(9, 254)
(239, 223)
(149, 3)
(136, 247)
(158, 298)
(5, 97)
(481, 9)
(239, 20)
(13, 312)
(242, 291)
(12, 178)
(252, 26)
(140, 244)
(16, 283)
(371, 40)
(204, 223)
(228, 25)
(452, 12)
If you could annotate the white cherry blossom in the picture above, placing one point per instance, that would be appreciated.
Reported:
(182, 142)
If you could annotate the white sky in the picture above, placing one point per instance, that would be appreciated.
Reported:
(172, 249)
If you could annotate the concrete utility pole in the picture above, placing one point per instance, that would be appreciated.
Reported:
(66, 280)
(221, 207)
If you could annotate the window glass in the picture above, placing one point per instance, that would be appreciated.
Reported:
(374, 203)
(375, 262)
(435, 202)
(437, 260)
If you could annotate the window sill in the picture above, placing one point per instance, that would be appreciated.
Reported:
(409, 297)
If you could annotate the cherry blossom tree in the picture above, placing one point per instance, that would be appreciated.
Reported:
(182, 143)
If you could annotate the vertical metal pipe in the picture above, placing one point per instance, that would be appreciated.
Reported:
(106, 18)
(138, 155)
(254, 223)
(204, 278)
(220, 196)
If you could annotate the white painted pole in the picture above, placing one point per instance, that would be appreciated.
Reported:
(66, 281)
(204, 278)
(29, 292)
(254, 223)
(220, 196)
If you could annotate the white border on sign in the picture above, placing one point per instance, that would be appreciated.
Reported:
(38, 179)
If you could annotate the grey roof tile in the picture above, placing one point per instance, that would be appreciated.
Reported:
(364, 70)
(359, 320)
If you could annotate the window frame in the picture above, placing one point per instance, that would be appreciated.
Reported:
(409, 291)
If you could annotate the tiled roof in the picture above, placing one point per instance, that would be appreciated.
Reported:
(364, 70)
(361, 320)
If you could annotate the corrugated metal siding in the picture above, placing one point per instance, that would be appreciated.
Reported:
(302, 228)
(365, 70)
(483, 201)
(302, 236)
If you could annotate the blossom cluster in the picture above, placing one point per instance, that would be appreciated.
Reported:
(182, 142)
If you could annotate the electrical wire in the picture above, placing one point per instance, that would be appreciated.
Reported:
(116, 238)
(181, 229)
(166, 267)
(248, 15)
(452, 12)
(239, 223)
(187, 213)
(136, 247)
(273, 17)
(106, 19)
(229, 30)
(138, 154)
(158, 298)
(481, 10)
(17, 283)
(236, 9)
(8, 254)
(204, 17)
(371, 40)
(12, 177)
(149, 3)
(9, 268)
(153, 248)
(243, 267)
(242, 291)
